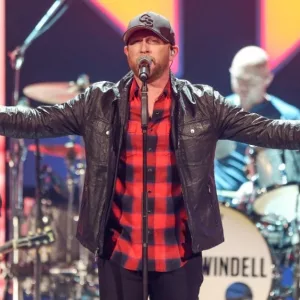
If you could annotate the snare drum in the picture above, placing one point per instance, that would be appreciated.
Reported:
(277, 178)
(243, 259)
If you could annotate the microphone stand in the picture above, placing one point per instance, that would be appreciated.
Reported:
(144, 96)
(17, 153)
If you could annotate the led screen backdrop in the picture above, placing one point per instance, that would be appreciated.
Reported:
(279, 30)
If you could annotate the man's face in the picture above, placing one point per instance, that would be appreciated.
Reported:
(145, 42)
(249, 83)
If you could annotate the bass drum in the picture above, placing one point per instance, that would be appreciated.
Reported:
(243, 264)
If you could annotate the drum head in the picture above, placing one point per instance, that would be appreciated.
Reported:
(280, 201)
(244, 259)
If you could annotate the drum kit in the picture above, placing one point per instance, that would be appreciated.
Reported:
(47, 223)
(261, 228)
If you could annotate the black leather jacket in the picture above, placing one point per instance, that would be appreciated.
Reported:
(200, 117)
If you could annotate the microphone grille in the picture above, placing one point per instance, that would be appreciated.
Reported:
(144, 60)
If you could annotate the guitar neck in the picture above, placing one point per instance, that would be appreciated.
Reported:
(28, 242)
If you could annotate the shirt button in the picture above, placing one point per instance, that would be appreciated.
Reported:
(107, 132)
(150, 169)
(149, 149)
(149, 192)
(192, 130)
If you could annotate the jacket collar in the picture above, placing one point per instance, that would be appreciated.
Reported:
(124, 84)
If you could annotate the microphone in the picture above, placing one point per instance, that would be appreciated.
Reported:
(144, 63)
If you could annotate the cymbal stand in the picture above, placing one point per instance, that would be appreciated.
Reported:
(15, 158)
(83, 252)
(38, 224)
(75, 177)
(71, 181)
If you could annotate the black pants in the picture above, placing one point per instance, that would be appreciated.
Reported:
(117, 283)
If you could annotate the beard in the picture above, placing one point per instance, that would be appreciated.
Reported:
(156, 69)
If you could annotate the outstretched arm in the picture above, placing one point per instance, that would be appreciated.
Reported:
(44, 121)
(234, 123)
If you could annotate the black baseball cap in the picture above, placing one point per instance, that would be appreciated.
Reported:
(153, 22)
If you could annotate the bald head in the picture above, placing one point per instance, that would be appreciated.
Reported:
(253, 59)
(250, 75)
(251, 55)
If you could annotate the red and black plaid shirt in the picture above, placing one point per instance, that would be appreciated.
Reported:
(169, 238)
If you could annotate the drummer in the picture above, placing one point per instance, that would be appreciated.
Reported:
(250, 78)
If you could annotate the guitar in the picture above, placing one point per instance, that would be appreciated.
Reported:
(46, 237)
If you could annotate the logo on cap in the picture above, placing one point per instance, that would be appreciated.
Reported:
(146, 20)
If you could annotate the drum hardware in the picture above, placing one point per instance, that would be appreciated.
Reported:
(277, 175)
(75, 176)
(72, 267)
(83, 252)
(280, 293)
(71, 181)
(69, 267)
(15, 158)
(276, 230)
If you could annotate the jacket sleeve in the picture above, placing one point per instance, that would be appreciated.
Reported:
(45, 121)
(234, 123)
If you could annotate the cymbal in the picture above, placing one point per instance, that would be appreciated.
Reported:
(68, 150)
(52, 92)
(224, 148)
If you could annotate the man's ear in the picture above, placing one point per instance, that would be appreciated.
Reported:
(173, 51)
(173, 54)
(126, 50)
